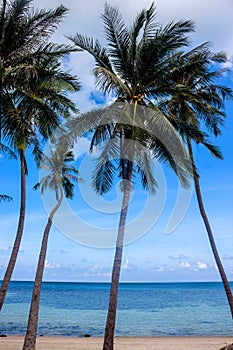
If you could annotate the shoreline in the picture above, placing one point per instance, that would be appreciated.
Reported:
(15, 342)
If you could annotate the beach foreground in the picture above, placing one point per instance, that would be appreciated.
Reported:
(136, 343)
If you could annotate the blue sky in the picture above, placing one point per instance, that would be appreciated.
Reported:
(184, 254)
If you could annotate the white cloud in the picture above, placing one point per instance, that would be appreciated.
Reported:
(50, 265)
(202, 265)
(194, 266)
(213, 23)
(97, 274)
(229, 63)
(81, 147)
(160, 269)
(185, 265)
(93, 272)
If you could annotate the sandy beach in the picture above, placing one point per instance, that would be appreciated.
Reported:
(155, 343)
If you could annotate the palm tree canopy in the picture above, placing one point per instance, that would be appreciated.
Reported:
(34, 89)
(197, 100)
(31, 114)
(41, 104)
(30, 29)
(137, 60)
(137, 65)
(59, 172)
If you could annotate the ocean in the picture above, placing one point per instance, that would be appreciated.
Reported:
(144, 309)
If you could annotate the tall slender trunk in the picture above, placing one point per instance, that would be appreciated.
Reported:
(15, 250)
(209, 231)
(112, 307)
(30, 337)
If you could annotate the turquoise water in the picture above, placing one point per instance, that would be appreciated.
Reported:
(144, 309)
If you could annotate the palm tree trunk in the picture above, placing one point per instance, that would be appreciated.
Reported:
(112, 307)
(30, 337)
(209, 231)
(15, 250)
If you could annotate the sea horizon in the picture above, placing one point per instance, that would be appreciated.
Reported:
(121, 282)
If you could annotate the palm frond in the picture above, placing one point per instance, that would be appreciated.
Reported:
(106, 166)
(133, 45)
(150, 25)
(37, 28)
(214, 150)
(94, 48)
(166, 145)
(175, 34)
(219, 57)
(108, 81)
(118, 38)
(5, 198)
(68, 188)
(101, 134)
(7, 151)
(145, 169)
(103, 177)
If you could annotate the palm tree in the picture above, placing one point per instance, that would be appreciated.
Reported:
(60, 175)
(33, 113)
(200, 100)
(136, 65)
